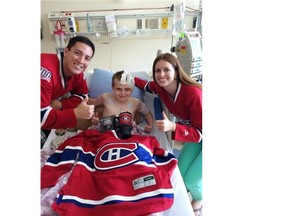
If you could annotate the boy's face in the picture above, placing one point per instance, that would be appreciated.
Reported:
(122, 92)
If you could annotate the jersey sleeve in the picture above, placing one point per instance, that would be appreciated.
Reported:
(79, 92)
(149, 86)
(52, 118)
(163, 158)
(61, 162)
(192, 132)
(185, 133)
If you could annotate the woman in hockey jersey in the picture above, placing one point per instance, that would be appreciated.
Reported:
(183, 98)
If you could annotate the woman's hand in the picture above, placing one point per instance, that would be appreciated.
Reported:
(165, 124)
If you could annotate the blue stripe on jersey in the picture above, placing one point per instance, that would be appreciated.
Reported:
(147, 88)
(66, 155)
(160, 159)
(87, 159)
(143, 155)
(43, 113)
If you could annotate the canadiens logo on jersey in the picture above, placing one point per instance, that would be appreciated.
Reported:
(45, 74)
(115, 155)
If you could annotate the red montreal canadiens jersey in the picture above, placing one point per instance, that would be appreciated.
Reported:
(54, 86)
(186, 106)
(110, 176)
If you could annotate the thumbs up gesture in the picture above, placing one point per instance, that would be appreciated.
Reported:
(83, 110)
(95, 118)
(165, 124)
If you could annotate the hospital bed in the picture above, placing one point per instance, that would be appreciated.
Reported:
(99, 81)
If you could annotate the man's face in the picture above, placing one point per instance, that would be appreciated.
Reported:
(77, 59)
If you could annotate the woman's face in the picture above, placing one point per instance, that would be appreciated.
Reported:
(164, 73)
(122, 92)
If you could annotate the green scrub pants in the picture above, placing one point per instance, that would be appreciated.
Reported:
(190, 165)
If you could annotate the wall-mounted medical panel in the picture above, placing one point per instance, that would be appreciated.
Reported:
(119, 23)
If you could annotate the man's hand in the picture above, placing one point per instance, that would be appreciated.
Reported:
(95, 119)
(165, 124)
(56, 104)
(91, 101)
(83, 110)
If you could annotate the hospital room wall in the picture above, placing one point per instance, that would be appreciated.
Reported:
(135, 54)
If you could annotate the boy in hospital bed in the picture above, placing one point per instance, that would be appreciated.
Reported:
(121, 101)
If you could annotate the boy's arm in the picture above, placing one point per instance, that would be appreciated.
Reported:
(143, 109)
(97, 101)
(150, 121)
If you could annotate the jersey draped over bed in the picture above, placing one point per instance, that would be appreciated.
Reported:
(84, 158)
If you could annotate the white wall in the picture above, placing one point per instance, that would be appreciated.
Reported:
(130, 54)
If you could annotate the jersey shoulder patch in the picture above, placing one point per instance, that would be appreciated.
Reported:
(45, 74)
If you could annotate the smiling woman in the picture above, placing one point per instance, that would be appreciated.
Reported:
(183, 98)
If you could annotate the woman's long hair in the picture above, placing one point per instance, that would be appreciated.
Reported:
(182, 77)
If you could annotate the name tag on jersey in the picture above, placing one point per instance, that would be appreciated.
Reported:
(144, 181)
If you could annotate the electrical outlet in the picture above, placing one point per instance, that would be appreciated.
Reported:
(139, 23)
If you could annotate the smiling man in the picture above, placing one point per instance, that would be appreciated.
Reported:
(64, 91)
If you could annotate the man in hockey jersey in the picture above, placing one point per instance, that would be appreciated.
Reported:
(64, 91)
